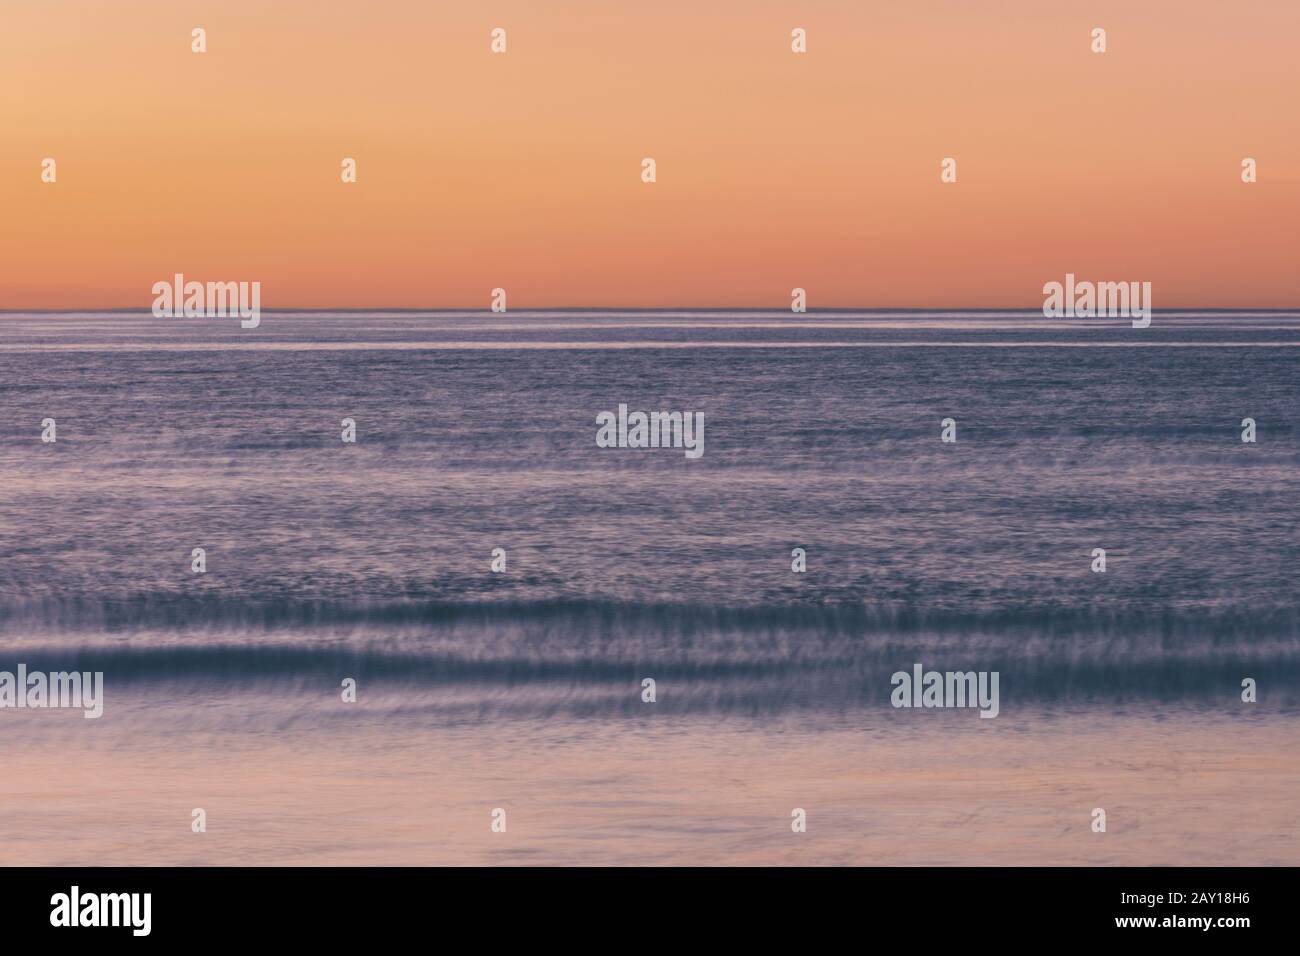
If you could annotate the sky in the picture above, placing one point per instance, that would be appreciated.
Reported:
(775, 170)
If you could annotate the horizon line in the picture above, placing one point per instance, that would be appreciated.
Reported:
(651, 309)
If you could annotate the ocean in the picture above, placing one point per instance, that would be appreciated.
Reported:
(522, 689)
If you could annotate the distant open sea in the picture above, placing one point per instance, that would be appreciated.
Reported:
(522, 690)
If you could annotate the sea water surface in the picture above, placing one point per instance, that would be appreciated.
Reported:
(522, 690)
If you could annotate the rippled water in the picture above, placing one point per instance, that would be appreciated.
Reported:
(372, 561)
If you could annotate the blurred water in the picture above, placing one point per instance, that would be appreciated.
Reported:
(1097, 436)
(371, 561)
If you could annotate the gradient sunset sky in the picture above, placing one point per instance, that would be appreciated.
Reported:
(775, 170)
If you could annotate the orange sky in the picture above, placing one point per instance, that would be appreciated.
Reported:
(775, 170)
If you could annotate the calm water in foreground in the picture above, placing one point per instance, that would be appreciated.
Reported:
(522, 690)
